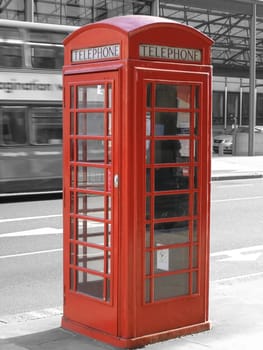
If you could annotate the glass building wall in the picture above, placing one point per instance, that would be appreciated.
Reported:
(71, 12)
(230, 31)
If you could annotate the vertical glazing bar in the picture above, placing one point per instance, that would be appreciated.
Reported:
(252, 83)
(155, 9)
(29, 11)
(225, 106)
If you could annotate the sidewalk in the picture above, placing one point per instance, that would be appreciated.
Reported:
(236, 304)
(236, 309)
(228, 167)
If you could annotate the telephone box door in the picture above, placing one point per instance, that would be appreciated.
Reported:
(91, 200)
(174, 245)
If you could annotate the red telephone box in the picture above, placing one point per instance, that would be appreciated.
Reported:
(137, 130)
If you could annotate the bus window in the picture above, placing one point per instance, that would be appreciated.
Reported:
(46, 126)
(46, 57)
(46, 49)
(10, 33)
(10, 47)
(13, 127)
(36, 36)
(11, 55)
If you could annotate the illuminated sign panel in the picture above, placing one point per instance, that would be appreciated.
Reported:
(145, 51)
(170, 53)
(30, 86)
(95, 53)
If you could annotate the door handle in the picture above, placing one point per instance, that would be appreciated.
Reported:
(116, 181)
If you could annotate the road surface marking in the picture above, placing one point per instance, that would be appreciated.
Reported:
(14, 325)
(30, 315)
(43, 231)
(36, 232)
(31, 253)
(228, 255)
(30, 218)
(236, 199)
(240, 277)
(241, 254)
(234, 185)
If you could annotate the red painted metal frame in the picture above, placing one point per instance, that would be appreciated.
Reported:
(75, 303)
(186, 310)
(128, 320)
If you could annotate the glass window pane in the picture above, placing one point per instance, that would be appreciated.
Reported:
(233, 103)
(10, 33)
(171, 259)
(92, 96)
(109, 153)
(72, 123)
(72, 228)
(194, 282)
(13, 127)
(47, 126)
(72, 254)
(197, 96)
(46, 36)
(171, 151)
(109, 124)
(109, 96)
(149, 95)
(245, 108)
(148, 123)
(184, 96)
(196, 172)
(90, 231)
(185, 150)
(148, 207)
(173, 96)
(90, 258)
(147, 290)
(195, 257)
(91, 124)
(72, 152)
(218, 108)
(148, 180)
(196, 211)
(148, 151)
(171, 206)
(147, 263)
(72, 279)
(171, 286)
(90, 151)
(147, 235)
(90, 178)
(48, 57)
(91, 205)
(195, 231)
(90, 284)
(72, 201)
(196, 124)
(196, 153)
(171, 178)
(171, 232)
(172, 123)
(72, 97)
(11, 55)
(166, 95)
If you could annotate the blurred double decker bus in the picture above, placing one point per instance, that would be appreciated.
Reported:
(31, 60)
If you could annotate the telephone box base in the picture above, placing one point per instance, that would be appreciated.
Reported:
(132, 343)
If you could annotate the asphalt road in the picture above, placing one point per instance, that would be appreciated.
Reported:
(31, 246)
(30, 256)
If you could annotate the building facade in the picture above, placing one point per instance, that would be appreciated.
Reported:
(237, 49)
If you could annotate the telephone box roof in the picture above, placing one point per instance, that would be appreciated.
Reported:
(132, 24)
